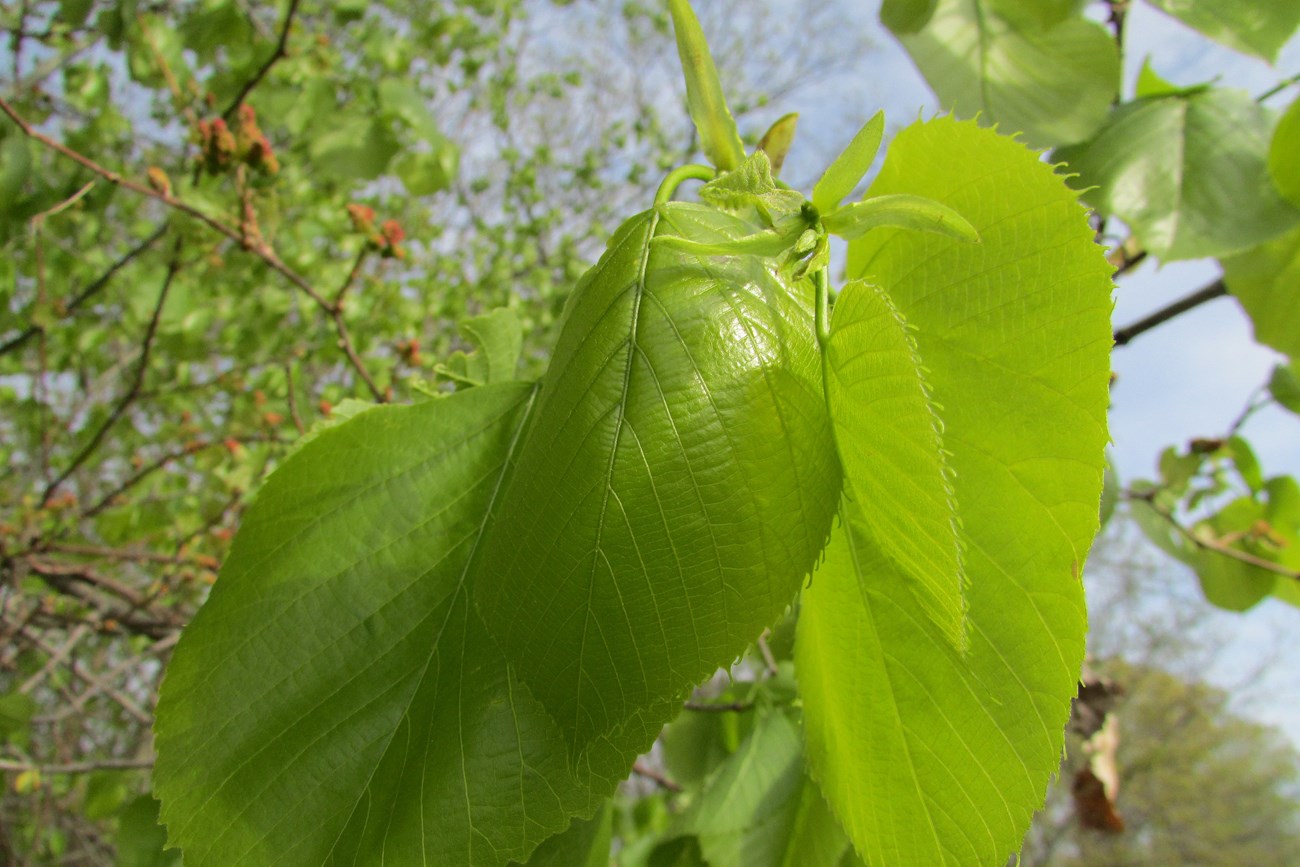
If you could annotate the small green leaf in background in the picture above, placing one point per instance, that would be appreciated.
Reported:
(1284, 154)
(1151, 83)
(1186, 173)
(776, 142)
(1258, 27)
(356, 150)
(1052, 83)
(16, 712)
(1284, 386)
(140, 839)
(759, 809)
(906, 16)
(887, 431)
(1266, 281)
(849, 168)
(926, 755)
(585, 843)
(719, 138)
(498, 340)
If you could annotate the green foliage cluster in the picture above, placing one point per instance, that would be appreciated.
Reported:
(338, 241)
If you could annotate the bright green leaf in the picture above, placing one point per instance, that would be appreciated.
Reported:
(1258, 27)
(1151, 83)
(888, 433)
(424, 173)
(676, 485)
(1186, 173)
(498, 338)
(1053, 84)
(1243, 458)
(751, 185)
(336, 700)
(849, 168)
(900, 211)
(929, 756)
(1284, 154)
(1266, 280)
(719, 138)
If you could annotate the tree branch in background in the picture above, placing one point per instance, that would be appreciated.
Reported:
(90, 291)
(258, 248)
(137, 381)
(1124, 335)
(88, 767)
(281, 51)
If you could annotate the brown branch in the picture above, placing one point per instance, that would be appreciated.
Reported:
(124, 403)
(261, 251)
(149, 469)
(127, 555)
(293, 399)
(1125, 335)
(1211, 544)
(641, 769)
(281, 51)
(719, 707)
(90, 291)
(87, 767)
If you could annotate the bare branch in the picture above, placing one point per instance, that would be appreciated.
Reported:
(1125, 335)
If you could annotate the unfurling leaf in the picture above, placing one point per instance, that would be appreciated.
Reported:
(850, 167)
(708, 107)
(899, 211)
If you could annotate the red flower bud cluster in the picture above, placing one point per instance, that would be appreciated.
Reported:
(221, 147)
(387, 238)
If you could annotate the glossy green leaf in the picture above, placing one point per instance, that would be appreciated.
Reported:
(336, 700)
(887, 430)
(1284, 386)
(927, 755)
(677, 483)
(1266, 280)
(1284, 154)
(1053, 84)
(760, 809)
(849, 168)
(1186, 173)
(1258, 27)
(714, 124)
(902, 211)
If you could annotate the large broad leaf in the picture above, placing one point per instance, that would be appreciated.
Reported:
(1052, 83)
(1186, 172)
(891, 450)
(336, 700)
(1259, 27)
(1266, 280)
(759, 809)
(929, 756)
(676, 484)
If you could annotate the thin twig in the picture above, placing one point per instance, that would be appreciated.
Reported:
(262, 251)
(292, 399)
(719, 707)
(137, 381)
(87, 767)
(281, 51)
(1215, 546)
(641, 769)
(1125, 335)
(91, 290)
